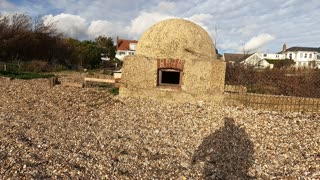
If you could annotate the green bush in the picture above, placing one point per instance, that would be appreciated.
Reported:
(36, 66)
(281, 63)
(24, 75)
(114, 91)
(59, 68)
(109, 87)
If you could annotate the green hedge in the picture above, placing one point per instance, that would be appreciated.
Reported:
(24, 75)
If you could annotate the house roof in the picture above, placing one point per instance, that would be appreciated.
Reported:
(312, 49)
(123, 44)
(237, 58)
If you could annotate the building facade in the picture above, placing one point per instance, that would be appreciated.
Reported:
(125, 48)
(307, 57)
(303, 57)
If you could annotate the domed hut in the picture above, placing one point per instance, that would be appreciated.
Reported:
(175, 61)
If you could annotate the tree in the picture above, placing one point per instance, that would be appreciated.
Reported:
(84, 54)
(107, 46)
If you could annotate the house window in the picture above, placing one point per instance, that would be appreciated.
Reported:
(305, 55)
(310, 55)
(318, 56)
(169, 77)
(290, 56)
(264, 55)
(122, 53)
(277, 56)
(131, 53)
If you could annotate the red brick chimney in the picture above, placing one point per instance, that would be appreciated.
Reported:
(284, 48)
(118, 41)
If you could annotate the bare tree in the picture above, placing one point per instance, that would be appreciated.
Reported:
(46, 28)
(245, 51)
(216, 36)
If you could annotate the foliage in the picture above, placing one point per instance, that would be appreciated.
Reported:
(24, 39)
(114, 91)
(36, 66)
(24, 75)
(110, 87)
(107, 46)
(281, 63)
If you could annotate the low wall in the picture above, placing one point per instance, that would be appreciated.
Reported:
(273, 102)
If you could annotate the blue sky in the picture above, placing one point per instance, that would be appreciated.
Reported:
(256, 26)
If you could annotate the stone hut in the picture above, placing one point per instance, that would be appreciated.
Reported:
(175, 61)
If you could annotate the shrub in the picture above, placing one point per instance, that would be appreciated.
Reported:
(109, 87)
(24, 75)
(281, 63)
(59, 68)
(36, 66)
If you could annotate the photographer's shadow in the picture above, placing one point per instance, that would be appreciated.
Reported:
(227, 153)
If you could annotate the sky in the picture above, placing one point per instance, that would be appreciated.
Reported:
(235, 25)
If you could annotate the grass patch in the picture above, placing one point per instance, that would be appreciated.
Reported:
(24, 75)
(109, 87)
(114, 91)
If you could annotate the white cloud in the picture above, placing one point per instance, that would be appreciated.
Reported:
(236, 21)
(71, 25)
(165, 7)
(100, 28)
(143, 22)
(201, 20)
(258, 41)
(7, 7)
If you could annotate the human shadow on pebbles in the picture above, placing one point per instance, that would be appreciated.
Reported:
(227, 153)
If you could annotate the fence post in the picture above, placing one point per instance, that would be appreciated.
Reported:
(53, 81)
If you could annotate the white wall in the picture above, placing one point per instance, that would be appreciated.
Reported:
(257, 61)
(272, 56)
(121, 54)
(302, 55)
(303, 58)
(132, 46)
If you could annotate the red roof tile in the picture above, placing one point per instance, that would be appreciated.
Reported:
(123, 44)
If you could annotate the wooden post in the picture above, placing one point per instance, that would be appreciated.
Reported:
(53, 81)
(50, 82)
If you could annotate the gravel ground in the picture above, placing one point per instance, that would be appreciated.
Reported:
(66, 132)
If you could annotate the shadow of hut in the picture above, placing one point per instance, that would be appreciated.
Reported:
(227, 153)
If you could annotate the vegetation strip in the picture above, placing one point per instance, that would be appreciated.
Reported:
(24, 75)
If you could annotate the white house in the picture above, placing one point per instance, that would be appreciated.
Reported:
(260, 60)
(303, 56)
(125, 48)
(257, 60)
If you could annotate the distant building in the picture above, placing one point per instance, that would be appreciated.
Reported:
(234, 58)
(256, 60)
(303, 56)
(262, 60)
(125, 48)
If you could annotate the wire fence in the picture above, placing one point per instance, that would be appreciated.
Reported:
(274, 89)
(286, 82)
